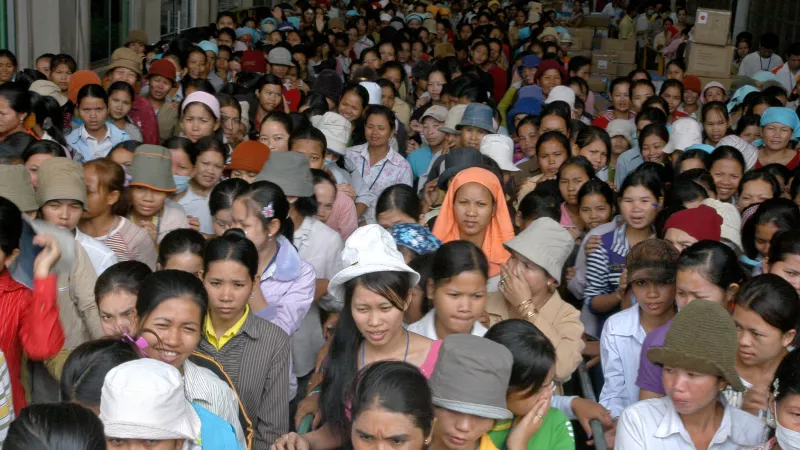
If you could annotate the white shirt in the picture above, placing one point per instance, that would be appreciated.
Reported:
(786, 78)
(197, 206)
(620, 350)
(101, 148)
(100, 255)
(427, 327)
(655, 425)
(753, 63)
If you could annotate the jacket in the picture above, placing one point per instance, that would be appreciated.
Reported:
(144, 118)
(78, 311)
(168, 121)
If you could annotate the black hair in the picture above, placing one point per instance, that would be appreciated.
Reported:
(770, 41)
(309, 134)
(779, 171)
(618, 81)
(596, 186)
(168, 284)
(577, 62)
(553, 136)
(92, 91)
(787, 377)
(775, 91)
(534, 354)
(280, 117)
(182, 143)
(181, 240)
(120, 86)
(87, 366)
(540, 203)
(18, 98)
(396, 386)
(773, 299)
(760, 175)
(43, 147)
(63, 426)
(648, 104)
(233, 245)
(635, 72)
(754, 99)
(384, 83)
(645, 177)
(590, 134)
(317, 104)
(63, 58)
(560, 109)
(654, 129)
(456, 257)
(399, 197)
(715, 261)
(357, 89)
(125, 276)
(11, 224)
(700, 176)
(781, 212)
(678, 62)
(26, 77)
(380, 110)
(224, 193)
(715, 106)
(262, 193)
(751, 120)
(579, 161)
(671, 84)
(45, 107)
(211, 144)
(783, 244)
(695, 153)
(5, 53)
(423, 265)
(343, 351)
(725, 152)
(683, 191)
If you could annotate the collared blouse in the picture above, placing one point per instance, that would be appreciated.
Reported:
(392, 169)
(620, 346)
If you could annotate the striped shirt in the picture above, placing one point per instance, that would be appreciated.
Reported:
(6, 402)
(206, 389)
(131, 243)
(603, 269)
(257, 361)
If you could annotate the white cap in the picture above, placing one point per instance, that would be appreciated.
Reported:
(566, 38)
(562, 93)
(501, 149)
(731, 220)
(144, 399)
(749, 151)
(386, 17)
(454, 117)
(685, 133)
(621, 127)
(374, 91)
(336, 130)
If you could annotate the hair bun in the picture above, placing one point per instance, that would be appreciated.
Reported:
(237, 233)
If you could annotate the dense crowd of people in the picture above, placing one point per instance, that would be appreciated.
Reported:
(401, 225)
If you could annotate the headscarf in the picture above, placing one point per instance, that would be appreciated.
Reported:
(499, 229)
(241, 31)
(784, 116)
(739, 95)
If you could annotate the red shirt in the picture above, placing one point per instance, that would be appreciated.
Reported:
(791, 165)
(499, 89)
(144, 118)
(30, 323)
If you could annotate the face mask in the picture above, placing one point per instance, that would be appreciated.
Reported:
(329, 163)
(181, 182)
(787, 439)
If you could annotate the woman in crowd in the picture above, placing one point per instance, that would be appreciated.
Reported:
(56, 425)
(200, 116)
(597, 204)
(36, 154)
(274, 132)
(757, 186)
(783, 397)
(397, 204)
(552, 149)
(457, 287)
(771, 217)
(94, 138)
(115, 292)
(16, 103)
(182, 249)
(220, 203)
(727, 167)
(120, 101)
(716, 124)
(783, 258)
(595, 145)
(211, 155)
(572, 175)
(270, 97)
(780, 128)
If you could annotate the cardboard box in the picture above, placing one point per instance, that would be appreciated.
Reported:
(585, 53)
(710, 61)
(712, 27)
(626, 56)
(618, 45)
(598, 84)
(585, 36)
(604, 64)
(726, 82)
(596, 20)
(624, 69)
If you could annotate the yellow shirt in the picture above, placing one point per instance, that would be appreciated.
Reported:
(220, 342)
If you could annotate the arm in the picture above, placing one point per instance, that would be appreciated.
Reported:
(597, 287)
(272, 419)
(6, 400)
(613, 393)
(564, 330)
(506, 103)
(40, 330)
(82, 281)
(293, 307)
(577, 284)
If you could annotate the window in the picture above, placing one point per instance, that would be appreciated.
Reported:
(107, 28)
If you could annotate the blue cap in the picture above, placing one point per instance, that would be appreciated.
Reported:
(477, 115)
(704, 147)
(295, 21)
(524, 33)
(531, 61)
(351, 13)
(209, 46)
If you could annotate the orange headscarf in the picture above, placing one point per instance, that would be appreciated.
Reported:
(499, 229)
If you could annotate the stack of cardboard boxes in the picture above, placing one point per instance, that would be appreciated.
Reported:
(710, 56)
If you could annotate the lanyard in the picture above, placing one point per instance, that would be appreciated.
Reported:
(363, 164)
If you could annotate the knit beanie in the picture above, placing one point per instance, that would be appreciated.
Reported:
(700, 223)
(329, 84)
(547, 65)
(652, 259)
(249, 156)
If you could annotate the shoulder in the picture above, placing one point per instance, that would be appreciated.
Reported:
(646, 412)
(173, 209)
(268, 331)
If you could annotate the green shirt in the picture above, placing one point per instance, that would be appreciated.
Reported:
(554, 434)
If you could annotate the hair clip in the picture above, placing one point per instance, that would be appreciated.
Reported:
(775, 388)
(268, 211)
(140, 342)
(47, 123)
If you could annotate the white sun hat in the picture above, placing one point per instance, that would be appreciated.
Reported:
(369, 249)
(336, 130)
(144, 399)
(501, 149)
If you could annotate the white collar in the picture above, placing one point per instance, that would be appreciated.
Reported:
(427, 326)
(672, 423)
(85, 133)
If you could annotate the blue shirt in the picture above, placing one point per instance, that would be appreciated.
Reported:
(420, 160)
(627, 163)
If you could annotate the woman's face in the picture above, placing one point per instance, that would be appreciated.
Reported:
(389, 218)
(458, 431)
(64, 214)
(33, 163)
(378, 130)
(638, 207)
(751, 133)
(197, 122)
(754, 191)
(527, 139)
(594, 210)
(176, 323)
(252, 226)
(776, 136)
(117, 312)
(372, 60)
(621, 97)
(714, 94)
(473, 207)
(597, 154)
(377, 428)
(534, 275)
(472, 136)
(480, 55)
(788, 269)
(378, 320)
(274, 135)
(673, 97)
(715, 126)
(759, 342)
(119, 104)
(387, 96)
(325, 194)
(619, 145)
(436, 82)
(229, 285)
(196, 64)
(209, 169)
(727, 173)
(181, 164)
(550, 78)
(674, 73)
(551, 155)
(223, 221)
(653, 148)
(459, 301)
(186, 262)
(60, 75)
(98, 200)
(270, 97)
(764, 233)
(351, 106)
(690, 391)
(94, 113)
(231, 121)
(494, 51)
(690, 97)
(7, 69)
(743, 49)
(679, 238)
(691, 285)
(655, 297)
(570, 182)
(147, 202)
